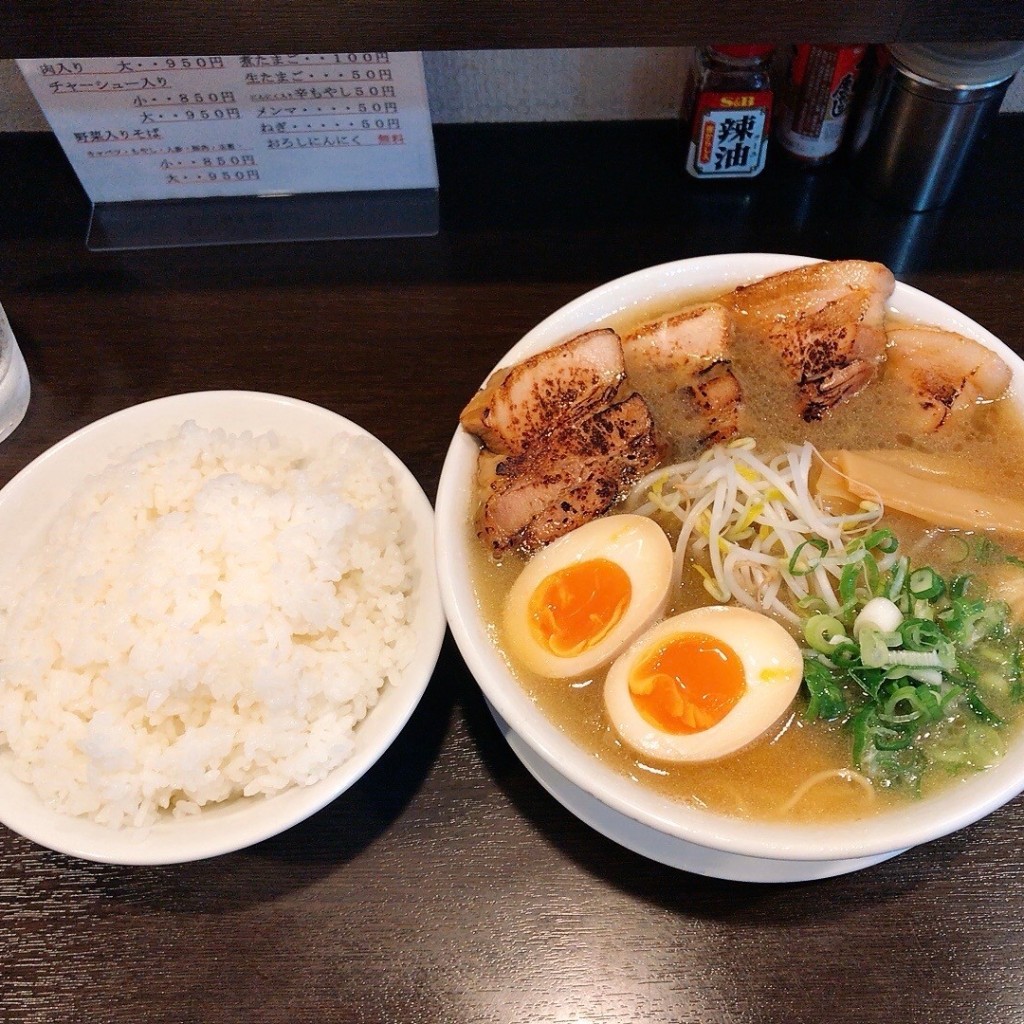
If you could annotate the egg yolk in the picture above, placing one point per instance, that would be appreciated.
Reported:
(575, 608)
(687, 684)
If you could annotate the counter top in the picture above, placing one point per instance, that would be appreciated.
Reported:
(447, 886)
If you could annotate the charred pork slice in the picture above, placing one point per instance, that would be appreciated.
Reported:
(943, 374)
(685, 359)
(578, 473)
(826, 322)
(518, 406)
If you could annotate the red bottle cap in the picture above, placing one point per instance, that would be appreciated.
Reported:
(744, 52)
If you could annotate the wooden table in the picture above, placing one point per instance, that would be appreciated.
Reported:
(447, 886)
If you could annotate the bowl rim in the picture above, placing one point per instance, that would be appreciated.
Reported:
(241, 823)
(955, 807)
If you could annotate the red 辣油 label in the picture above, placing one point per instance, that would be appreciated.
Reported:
(730, 134)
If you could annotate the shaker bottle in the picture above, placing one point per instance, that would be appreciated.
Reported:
(929, 106)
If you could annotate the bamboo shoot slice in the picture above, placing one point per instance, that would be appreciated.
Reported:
(926, 486)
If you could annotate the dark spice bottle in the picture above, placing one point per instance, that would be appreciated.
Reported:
(727, 108)
(815, 102)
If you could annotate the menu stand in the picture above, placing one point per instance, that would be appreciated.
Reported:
(299, 217)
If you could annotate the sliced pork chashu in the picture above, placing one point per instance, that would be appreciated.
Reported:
(578, 472)
(943, 373)
(682, 363)
(518, 405)
(825, 322)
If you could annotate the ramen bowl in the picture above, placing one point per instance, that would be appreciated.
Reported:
(670, 830)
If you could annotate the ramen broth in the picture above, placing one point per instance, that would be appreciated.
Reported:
(768, 779)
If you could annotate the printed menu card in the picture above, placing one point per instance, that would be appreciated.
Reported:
(258, 124)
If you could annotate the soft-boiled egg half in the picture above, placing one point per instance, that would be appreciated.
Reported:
(583, 598)
(703, 684)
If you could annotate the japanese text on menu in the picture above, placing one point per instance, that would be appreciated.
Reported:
(181, 127)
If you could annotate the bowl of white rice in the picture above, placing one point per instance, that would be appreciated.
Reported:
(217, 610)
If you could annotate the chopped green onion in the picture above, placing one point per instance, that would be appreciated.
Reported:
(824, 632)
(848, 582)
(897, 577)
(986, 746)
(882, 539)
(805, 568)
(925, 584)
(986, 549)
(827, 699)
(915, 698)
(994, 683)
(861, 729)
(872, 577)
(1016, 675)
(904, 695)
(915, 659)
(874, 652)
(920, 635)
(981, 709)
(929, 703)
(955, 548)
(951, 695)
(919, 674)
(870, 680)
(887, 738)
(845, 652)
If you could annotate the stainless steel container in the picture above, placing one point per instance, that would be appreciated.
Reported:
(928, 107)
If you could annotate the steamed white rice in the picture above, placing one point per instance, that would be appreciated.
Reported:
(211, 617)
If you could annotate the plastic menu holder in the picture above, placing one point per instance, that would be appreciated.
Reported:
(234, 220)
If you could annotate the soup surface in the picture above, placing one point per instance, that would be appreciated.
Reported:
(790, 772)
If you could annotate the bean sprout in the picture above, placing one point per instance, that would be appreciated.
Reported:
(754, 531)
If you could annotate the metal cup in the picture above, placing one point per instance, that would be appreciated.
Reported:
(924, 116)
(14, 382)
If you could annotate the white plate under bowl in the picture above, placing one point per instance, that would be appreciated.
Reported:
(668, 830)
(666, 849)
(27, 506)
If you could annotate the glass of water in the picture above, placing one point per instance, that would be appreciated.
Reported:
(14, 384)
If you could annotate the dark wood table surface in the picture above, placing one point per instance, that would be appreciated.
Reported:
(447, 885)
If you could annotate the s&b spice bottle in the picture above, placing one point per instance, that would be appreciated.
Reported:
(727, 108)
(815, 102)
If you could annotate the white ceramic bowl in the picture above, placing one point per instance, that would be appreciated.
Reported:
(625, 811)
(28, 503)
